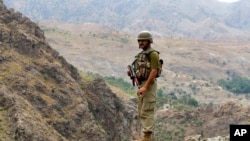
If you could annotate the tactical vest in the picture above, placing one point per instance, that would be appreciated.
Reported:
(142, 65)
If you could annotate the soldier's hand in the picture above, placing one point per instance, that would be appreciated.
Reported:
(141, 91)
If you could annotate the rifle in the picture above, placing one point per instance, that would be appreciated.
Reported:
(133, 76)
(135, 81)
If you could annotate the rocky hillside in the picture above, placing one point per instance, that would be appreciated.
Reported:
(200, 19)
(43, 97)
(202, 124)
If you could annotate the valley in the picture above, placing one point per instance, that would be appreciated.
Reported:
(190, 67)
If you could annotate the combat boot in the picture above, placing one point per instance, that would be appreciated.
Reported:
(147, 137)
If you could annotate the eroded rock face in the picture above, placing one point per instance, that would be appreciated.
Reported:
(44, 96)
(66, 116)
(115, 116)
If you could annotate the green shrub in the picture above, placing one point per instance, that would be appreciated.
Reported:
(236, 85)
(185, 101)
(121, 83)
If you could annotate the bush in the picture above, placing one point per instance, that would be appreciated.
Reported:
(184, 102)
(121, 83)
(236, 85)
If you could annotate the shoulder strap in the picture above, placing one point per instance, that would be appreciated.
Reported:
(150, 51)
(154, 51)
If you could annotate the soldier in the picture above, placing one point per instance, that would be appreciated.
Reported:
(146, 66)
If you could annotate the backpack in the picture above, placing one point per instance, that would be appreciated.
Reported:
(141, 65)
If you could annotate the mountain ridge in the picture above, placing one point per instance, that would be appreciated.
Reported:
(207, 20)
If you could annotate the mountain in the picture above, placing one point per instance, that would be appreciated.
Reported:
(43, 97)
(238, 18)
(200, 19)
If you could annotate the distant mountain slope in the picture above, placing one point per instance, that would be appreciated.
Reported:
(202, 19)
(239, 16)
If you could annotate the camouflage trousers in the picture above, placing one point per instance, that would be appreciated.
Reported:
(146, 108)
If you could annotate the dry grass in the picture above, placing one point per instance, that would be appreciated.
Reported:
(4, 126)
(121, 94)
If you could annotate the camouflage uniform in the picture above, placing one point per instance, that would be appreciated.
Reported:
(146, 68)
(147, 101)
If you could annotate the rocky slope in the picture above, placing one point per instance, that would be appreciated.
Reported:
(43, 97)
(203, 124)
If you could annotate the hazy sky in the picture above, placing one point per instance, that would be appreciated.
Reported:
(228, 0)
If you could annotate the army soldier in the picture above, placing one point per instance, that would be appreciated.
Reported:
(146, 68)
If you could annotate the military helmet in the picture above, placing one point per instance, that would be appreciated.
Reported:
(145, 35)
